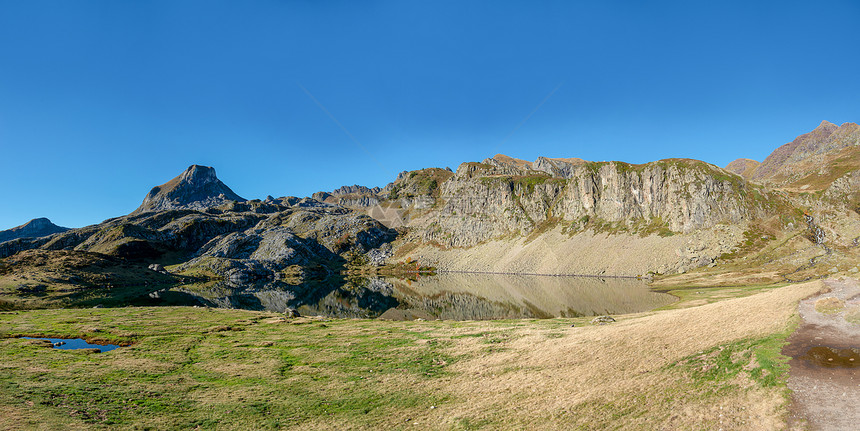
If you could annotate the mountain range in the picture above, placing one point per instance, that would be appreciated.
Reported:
(793, 216)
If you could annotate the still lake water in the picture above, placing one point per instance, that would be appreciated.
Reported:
(444, 296)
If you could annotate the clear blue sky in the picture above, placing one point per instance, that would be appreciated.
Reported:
(101, 100)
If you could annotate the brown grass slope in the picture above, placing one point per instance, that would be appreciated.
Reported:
(743, 167)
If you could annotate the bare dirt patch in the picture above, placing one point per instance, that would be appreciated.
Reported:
(825, 351)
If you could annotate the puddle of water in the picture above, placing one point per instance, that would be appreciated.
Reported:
(828, 357)
(75, 343)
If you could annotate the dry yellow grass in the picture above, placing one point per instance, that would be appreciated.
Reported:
(829, 305)
(591, 375)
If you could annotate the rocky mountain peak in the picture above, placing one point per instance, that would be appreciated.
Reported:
(791, 159)
(826, 125)
(196, 188)
(198, 175)
(38, 227)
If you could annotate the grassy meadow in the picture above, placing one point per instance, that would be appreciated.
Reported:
(711, 361)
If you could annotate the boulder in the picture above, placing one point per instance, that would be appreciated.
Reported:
(602, 320)
(158, 268)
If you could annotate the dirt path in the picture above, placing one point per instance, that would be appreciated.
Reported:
(825, 364)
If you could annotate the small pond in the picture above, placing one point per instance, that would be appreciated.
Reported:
(448, 296)
(74, 343)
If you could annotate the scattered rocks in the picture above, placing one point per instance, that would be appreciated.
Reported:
(602, 320)
(378, 256)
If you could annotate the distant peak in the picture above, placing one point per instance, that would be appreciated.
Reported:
(501, 158)
(34, 228)
(826, 124)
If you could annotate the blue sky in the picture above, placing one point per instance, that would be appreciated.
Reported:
(101, 100)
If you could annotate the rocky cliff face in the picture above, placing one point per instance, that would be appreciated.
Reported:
(484, 201)
(196, 188)
(35, 228)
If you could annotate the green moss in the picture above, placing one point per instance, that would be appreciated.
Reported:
(527, 183)
(759, 359)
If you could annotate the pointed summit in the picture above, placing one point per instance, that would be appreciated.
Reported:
(35, 228)
(196, 188)
(826, 124)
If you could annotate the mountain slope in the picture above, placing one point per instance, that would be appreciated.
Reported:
(806, 153)
(743, 167)
(38, 227)
(196, 188)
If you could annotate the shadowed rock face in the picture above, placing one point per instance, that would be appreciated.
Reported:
(38, 227)
(196, 188)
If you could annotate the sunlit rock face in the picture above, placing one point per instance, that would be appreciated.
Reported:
(196, 188)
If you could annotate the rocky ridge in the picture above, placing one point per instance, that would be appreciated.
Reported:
(450, 218)
(807, 153)
(185, 224)
(38, 227)
(504, 214)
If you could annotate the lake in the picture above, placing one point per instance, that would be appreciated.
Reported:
(447, 296)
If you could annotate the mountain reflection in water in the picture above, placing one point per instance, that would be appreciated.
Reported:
(444, 296)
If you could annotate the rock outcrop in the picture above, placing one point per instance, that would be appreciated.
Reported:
(196, 188)
(484, 201)
(38, 227)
